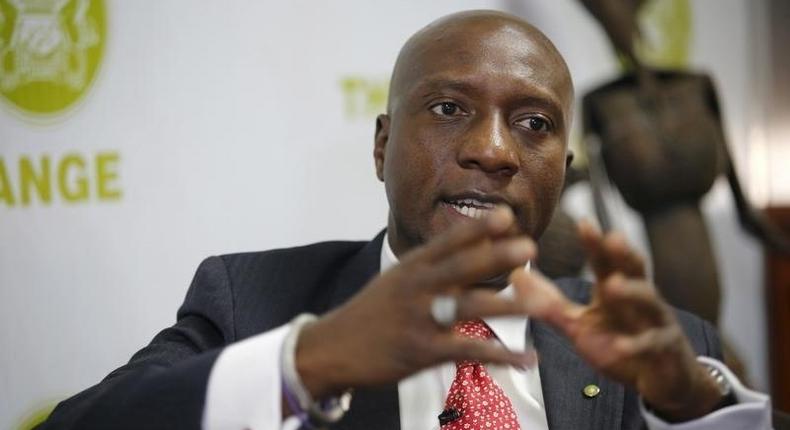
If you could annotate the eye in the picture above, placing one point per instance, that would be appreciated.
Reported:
(536, 123)
(446, 109)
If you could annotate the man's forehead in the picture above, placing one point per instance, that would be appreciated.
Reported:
(475, 50)
(493, 55)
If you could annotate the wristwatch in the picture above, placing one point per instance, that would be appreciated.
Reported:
(312, 414)
(722, 384)
(725, 389)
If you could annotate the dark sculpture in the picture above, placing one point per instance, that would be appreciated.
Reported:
(663, 146)
(658, 136)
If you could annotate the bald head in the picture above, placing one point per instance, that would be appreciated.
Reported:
(469, 35)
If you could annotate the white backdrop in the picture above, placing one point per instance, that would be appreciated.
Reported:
(248, 125)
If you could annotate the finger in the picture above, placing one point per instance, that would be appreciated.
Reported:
(543, 300)
(610, 253)
(651, 341)
(614, 254)
(624, 258)
(632, 305)
(482, 261)
(618, 287)
(465, 233)
(481, 303)
(592, 241)
(458, 348)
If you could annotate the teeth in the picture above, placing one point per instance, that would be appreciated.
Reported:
(471, 211)
(477, 203)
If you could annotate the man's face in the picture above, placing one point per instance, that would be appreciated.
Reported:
(481, 119)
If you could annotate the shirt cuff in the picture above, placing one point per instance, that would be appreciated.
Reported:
(752, 410)
(244, 387)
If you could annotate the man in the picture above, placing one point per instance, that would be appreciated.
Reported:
(472, 152)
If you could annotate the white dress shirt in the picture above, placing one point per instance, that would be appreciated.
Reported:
(244, 387)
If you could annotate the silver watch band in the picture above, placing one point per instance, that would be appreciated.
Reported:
(314, 415)
(721, 381)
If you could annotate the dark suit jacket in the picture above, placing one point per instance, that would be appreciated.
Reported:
(233, 297)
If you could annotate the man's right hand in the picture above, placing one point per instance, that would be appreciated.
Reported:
(386, 333)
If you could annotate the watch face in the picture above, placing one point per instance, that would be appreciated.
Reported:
(721, 381)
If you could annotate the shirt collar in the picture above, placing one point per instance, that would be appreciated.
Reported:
(510, 330)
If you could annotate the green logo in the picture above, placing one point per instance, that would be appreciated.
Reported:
(666, 33)
(50, 51)
(37, 417)
(364, 96)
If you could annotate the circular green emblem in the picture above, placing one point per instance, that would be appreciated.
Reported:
(50, 51)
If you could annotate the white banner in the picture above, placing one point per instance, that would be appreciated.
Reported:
(138, 137)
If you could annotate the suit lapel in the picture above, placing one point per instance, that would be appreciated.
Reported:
(371, 408)
(563, 376)
(359, 270)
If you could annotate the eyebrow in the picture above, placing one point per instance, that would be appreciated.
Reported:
(427, 88)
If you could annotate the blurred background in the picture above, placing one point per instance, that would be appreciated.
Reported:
(137, 138)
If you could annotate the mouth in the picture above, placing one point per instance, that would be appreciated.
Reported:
(474, 205)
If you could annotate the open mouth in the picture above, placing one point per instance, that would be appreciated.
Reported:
(470, 207)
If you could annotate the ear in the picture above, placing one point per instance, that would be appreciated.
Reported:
(380, 143)
(568, 158)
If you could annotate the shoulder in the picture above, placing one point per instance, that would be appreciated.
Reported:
(288, 272)
(237, 271)
(701, 333)
(312, 255)
(268, 288)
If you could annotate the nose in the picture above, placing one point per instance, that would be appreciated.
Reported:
(489, 147)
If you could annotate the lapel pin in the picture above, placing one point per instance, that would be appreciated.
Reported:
(591, 391)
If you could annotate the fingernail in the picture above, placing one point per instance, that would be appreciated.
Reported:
(514, 275)
(615, 279)
(522, 249)
(529, 359)
(500, 218)
(616, 239)
(616, 283)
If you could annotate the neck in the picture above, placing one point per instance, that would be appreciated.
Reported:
(497, 283)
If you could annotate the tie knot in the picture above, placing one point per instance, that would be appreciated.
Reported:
(474, 329)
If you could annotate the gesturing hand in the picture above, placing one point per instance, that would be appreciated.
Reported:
(627, 331)
(386, 331)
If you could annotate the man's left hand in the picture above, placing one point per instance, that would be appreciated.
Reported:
(627, 331)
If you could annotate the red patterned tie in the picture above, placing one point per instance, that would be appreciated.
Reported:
(475, 401)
